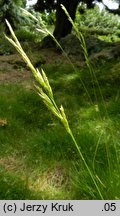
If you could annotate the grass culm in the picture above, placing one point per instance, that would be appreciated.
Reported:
(45, 92)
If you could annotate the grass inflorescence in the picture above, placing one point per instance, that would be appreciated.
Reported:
(83, 169)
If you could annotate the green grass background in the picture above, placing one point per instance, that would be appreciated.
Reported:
(38, 159)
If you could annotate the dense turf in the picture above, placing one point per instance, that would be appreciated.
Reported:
(38, 159)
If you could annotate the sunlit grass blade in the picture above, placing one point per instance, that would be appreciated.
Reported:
(48, 99)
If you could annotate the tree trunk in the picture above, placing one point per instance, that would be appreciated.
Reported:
(63, 26)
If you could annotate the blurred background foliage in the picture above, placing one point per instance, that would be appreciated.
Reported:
(94, 20)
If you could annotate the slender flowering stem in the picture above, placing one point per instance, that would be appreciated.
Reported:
(45, 92)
